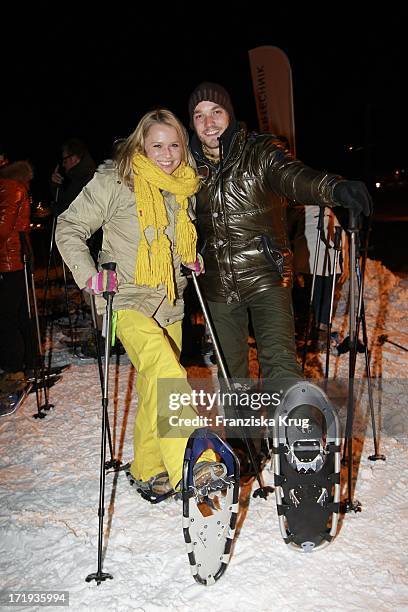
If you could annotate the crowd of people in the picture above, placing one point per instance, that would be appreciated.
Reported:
(215, 204)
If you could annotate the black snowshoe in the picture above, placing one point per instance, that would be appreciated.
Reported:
(306, 448)
(209, 514)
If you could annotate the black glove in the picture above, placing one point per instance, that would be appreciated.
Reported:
(353, 195)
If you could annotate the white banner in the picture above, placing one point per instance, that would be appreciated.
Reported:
(272, 83)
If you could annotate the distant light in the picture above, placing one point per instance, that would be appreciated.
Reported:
(397, 172)
(378, 185)
(350, 147)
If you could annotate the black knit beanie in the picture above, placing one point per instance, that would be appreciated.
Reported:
(213, 93)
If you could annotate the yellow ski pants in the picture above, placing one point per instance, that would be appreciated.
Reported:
(155, 352)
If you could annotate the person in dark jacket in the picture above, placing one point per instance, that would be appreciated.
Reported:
(67, 181)
(16, 337)
(241, 219)
(69, 177)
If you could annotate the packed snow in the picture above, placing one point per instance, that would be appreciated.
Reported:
(49, 485)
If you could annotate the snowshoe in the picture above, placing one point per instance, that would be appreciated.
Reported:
(306, 448)
(11, 402)
(210, 506)
(50, 373)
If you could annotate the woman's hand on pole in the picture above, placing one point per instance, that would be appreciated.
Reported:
(197, 267)
(104, 281)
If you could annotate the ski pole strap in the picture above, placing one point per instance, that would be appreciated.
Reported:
(272, 254)
(279, 480)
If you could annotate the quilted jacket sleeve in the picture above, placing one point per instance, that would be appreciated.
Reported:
(295, 181)
(87, 213)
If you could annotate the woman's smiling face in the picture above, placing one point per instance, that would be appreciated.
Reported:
(163, 147)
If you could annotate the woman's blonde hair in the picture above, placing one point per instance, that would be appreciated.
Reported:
(135, 143)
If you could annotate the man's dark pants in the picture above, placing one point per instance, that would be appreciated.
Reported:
(273, 323)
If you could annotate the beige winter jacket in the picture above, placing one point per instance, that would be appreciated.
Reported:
(108, 203)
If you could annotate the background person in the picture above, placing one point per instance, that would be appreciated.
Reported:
(68, 179)
(17, 354)
(70, 176)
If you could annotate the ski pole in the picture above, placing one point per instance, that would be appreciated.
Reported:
(51, 255)
(361, 316)
(360, 272)
(348, 440)
(71, 328)
(113, 462)
(39, 414)
(100, 576)
(337, 248)
(384, 338)
(46, 405)
(29, 271)
(263, 490)
(315, 263)
(50, 251)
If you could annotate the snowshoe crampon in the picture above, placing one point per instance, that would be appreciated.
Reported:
(210, 513)
(307, 467)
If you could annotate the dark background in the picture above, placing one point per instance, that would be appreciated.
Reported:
(90, 70)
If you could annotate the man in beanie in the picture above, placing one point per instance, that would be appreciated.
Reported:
(246, 179)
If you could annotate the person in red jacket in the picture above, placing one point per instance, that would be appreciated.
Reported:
(16, 338)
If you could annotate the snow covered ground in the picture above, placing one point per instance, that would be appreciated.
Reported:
(49, 483)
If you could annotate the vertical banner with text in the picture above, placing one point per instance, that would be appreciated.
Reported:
(272, 82)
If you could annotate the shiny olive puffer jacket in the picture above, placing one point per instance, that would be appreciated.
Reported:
(242, 198)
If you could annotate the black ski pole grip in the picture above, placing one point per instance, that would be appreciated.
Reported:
(353, 220)
(337, 238)
(320, 221)
(185, 271)
(111, 265)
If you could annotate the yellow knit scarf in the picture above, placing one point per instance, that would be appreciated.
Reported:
(154, 264)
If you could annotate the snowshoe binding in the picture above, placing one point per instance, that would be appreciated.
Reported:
(154, 490)
(210, 494)
(306, 449)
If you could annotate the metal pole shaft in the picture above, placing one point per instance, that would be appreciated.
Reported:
(352, 359)
(337, 248)
(101, 376)
(320, 225)
(212, 333)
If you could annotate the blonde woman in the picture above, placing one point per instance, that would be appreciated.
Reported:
(142, 200)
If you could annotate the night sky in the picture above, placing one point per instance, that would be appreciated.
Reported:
(68, 71)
